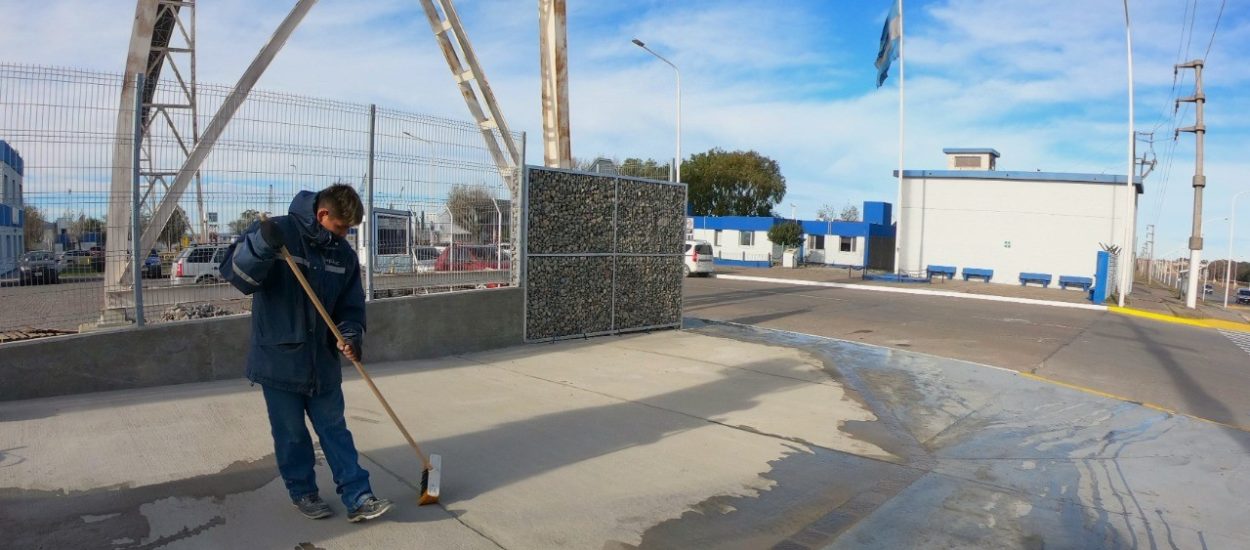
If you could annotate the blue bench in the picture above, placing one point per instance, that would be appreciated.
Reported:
(1040, 278)
(1085, 283)
(975, 273)
(947, 270)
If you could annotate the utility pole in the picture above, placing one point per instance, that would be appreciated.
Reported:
(1150, 244)
(1146, 165)
(1199, 130)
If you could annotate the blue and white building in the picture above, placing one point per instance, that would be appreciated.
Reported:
(12, 208)
(974, 215)
(743, 240)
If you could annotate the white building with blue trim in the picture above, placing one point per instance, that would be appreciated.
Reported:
(973, 216)
(12, 208)
(743, 240)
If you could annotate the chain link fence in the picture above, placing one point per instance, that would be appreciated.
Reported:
(441, 219)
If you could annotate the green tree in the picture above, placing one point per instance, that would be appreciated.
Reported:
(733, 183)
(34, 227)
(245, 220)
(85, 225)
(179, 225)
(650, 169)
(788, 234)
(632, 167)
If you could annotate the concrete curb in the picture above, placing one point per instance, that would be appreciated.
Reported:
(943, 293)
(1219, 324)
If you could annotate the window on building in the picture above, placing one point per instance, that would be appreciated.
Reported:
(963, 161)
(847, 244)
(815, 242)
(716, 238)
(746, 238)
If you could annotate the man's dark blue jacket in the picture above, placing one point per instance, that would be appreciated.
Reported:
(292, 349)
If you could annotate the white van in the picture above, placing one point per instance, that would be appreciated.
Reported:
(198, 265)
(698, 259)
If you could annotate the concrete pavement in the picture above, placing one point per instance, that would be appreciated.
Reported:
(718, 436)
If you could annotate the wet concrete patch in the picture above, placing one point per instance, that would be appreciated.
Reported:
(815, 494)
(1016, 463)
(114, 517)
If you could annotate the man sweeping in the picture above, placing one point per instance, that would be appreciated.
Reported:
(293, 355)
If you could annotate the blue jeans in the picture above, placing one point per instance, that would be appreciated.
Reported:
(294, 448)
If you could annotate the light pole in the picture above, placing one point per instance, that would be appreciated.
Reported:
(676, 161)
(1228, 262)
(1126, 269)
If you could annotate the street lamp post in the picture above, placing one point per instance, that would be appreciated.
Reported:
(1228, 263)
(676, 161)
(1126, 270)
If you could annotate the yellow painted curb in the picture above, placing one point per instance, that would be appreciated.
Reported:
(1203, 323)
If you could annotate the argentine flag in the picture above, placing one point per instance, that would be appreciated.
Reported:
(891, 34)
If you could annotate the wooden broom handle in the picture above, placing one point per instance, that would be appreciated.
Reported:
(359, 368)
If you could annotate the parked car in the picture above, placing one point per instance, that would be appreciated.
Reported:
(152, 265)
(198, 264)
(1208, 289)
(97, 257)
(698, 259)
(40, 266)
(1243, 296)
(462, 257)
(76, 258)
(424, 258)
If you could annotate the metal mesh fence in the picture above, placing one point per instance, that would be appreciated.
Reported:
(441, 218)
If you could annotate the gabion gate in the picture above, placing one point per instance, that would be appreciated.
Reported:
(603, 254)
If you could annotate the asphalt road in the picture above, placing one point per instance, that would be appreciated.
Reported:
(79, 300)
(1191, 370)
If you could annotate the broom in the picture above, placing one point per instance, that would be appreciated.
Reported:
(433, 464)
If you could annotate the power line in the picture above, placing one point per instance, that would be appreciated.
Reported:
(1193, 19)
(1190, 14)
(1216, 28)
(1187, 23)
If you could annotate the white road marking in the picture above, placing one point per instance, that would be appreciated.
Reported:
(924, 292)
(1240, 339)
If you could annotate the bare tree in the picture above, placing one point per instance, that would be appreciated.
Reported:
(850, 213)
(473, 209)
(827, 213)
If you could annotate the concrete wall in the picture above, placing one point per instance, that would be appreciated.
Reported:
(832, 253)
(1010, 225)
(215, 349)
(730, 247)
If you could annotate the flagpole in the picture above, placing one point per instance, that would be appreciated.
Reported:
(898, 226)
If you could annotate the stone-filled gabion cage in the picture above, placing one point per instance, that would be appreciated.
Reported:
(603, 254)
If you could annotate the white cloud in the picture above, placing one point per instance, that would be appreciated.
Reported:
(1041, 81)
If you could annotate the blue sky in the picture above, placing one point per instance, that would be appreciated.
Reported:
(1043, 82)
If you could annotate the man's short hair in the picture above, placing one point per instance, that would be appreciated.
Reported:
(343, 203)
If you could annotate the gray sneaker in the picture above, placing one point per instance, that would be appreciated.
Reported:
(371, 508)
(313, 507)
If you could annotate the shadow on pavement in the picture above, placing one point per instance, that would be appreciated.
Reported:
(517, 451)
